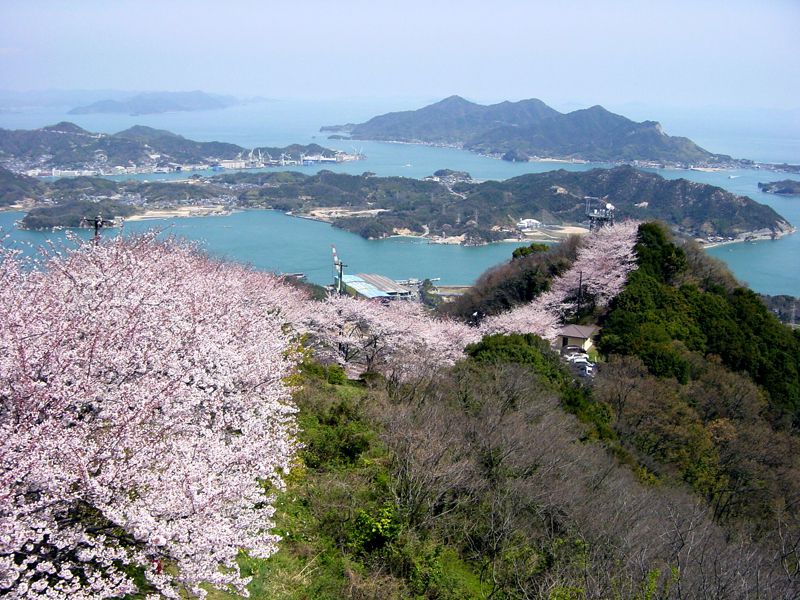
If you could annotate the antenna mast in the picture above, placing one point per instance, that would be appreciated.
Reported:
(98, 223)
(338, 271)
(598, 217)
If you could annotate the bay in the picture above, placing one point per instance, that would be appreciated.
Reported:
(767, 266)
(272, 241)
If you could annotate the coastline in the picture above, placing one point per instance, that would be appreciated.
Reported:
(549, 234)
(748, 236)
(637, 163)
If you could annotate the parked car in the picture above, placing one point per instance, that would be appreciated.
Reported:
(587, 370)
(577, 359)
(567, 350)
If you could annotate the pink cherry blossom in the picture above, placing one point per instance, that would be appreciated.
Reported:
(604, 260)
(144, 420)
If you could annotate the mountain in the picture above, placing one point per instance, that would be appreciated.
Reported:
(68, 146)
(157, 102)
(15, 188)
(450, 121)
(177, 147)
(694, 209)
(530, 128)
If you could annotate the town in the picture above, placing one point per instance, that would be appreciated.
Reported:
(255, 159)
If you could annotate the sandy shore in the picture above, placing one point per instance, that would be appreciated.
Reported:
(431, 239)
(183, 211)
(330, 213)
(748, 237)
(551, 234)
(554, 233)
(16, 207)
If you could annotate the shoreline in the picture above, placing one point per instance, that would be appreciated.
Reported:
(552, 234)
(748, 236)
(645, 163)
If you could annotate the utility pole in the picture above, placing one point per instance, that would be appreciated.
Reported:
(338, 268)
(580, 290)
(98, 223)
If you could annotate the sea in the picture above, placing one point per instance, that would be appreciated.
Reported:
(273, 241)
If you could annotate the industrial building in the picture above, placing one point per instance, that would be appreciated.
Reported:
(370, 285)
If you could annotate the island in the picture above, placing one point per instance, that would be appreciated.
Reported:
(786, 187)
(532, 130)
(447, 207)
(158, 102)
(65, 149)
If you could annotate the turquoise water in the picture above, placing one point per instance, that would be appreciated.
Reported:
(276, 242)
(261, 238)
(771, 266)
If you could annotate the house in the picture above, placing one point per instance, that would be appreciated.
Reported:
(576, 335)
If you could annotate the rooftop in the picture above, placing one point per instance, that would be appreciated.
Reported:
(578, 331)
(371, 285)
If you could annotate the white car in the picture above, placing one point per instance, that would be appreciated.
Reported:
(579, 359)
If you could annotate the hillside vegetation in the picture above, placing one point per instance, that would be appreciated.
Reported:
(488, 211)
(480, 212)
(15, 188)
(418, 457)
(68, 146)
(477, 482)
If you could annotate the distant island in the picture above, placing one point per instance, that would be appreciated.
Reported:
(787, 187)
(66, 149)
(448, 207)
(531, 130)
(158, 102)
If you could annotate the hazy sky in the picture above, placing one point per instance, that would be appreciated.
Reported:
(666, 52)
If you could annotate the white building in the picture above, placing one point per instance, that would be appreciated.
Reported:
(528, 224)
(232, 164)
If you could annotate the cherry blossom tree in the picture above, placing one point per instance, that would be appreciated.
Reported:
(144, 414)
(604, 260)
(402, 340)
(398, 339)
(541, 316)
(144, 419)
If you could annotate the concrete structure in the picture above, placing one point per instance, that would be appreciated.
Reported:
(528, 224)
(576, 335)
(599, 212)
(232, 164)
(370, 286)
